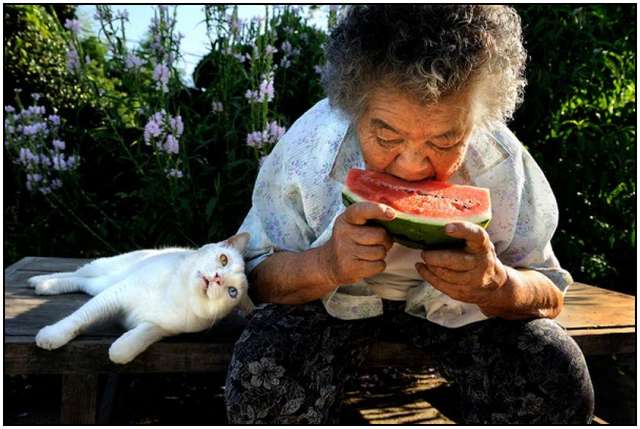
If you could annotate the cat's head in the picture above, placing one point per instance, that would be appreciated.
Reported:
(217, 280)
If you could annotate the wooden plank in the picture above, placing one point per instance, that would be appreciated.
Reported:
(592, 307)
(585, 306)
(601, 321)
(17, 266)
(385, 353)
(26, 313)
(107, 399)
(54, 265)
(90, 356)
(609, 341)
(79, 394)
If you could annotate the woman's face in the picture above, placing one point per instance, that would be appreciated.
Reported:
(415, 142)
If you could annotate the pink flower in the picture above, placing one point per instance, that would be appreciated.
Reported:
(271, 134)
(152, 129)
(265, 91)
(171, 144)
(275, 131)
(58, 144)
(73, 60)
(73, 25)
(270, 50)
(217, 106)
(286, 47)
(173, 172)
(133, 61)
(55, 119)
(161, 76)
(59, 163)
(177, 126)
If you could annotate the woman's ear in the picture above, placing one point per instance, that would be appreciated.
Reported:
(239, 241)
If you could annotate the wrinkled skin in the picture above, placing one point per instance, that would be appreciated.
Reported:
(415, 142)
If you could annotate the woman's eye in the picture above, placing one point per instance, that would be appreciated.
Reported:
(233, 292)
(224, 260)
(445, 147)
(388, 143)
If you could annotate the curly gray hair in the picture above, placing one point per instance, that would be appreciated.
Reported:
(427, 52)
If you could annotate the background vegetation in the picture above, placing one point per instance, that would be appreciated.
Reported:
(147, 161)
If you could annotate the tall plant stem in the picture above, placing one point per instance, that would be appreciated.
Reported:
(80, 221)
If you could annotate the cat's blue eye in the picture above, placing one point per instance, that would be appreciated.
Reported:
(233, 292)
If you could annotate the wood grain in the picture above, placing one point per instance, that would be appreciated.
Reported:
(595, 308)
(600, 321)
(78, 399)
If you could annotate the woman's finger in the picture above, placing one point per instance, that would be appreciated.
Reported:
(372, 235)
(476, 237)
(360, 213)
(460, 278)
(435, 281)
(371, 253)
(456, 260)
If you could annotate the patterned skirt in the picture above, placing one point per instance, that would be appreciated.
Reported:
(292, 363)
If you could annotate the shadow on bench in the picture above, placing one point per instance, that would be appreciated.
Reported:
(601, 322)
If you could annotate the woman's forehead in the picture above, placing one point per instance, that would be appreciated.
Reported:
(401, 114)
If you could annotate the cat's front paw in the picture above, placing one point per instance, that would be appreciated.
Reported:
(44, 285)
(37, 280)
(119, 354)
(52, 337)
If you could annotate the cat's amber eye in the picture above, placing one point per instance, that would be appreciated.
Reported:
(224, 260)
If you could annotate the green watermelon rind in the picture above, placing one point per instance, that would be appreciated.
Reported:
(415, 232)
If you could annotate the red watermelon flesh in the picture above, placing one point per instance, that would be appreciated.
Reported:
(423, 207)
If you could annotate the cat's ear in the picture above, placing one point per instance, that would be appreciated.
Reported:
(239, 241)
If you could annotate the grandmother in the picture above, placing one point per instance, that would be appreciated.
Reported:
(419, 92)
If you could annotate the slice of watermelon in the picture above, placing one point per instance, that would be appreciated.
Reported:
(423, 207)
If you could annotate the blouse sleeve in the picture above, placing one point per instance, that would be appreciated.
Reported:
(276, 220)
(537, 221)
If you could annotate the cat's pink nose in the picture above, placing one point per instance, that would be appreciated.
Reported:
(217, 279)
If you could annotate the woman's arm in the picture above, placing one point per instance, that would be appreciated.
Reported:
(526, 294)
(476, 275)
(353, 252)
(291, 278)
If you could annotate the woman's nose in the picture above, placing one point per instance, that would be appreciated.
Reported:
(413, 165)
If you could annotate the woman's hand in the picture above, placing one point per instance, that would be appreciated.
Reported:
(356, 251)
(472, 274)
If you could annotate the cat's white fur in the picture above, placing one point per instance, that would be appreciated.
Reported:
(153, 293)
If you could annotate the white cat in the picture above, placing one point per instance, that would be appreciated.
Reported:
(153, 293)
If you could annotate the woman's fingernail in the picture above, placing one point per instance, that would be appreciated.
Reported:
(450, 228)
(389, 212)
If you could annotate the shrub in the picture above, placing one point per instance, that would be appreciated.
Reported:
(578, 120)
(165, 164)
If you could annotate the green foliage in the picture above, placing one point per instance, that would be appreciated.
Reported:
(579, 122)
(124, 198)
(35, 57)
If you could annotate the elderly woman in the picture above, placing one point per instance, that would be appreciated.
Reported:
(418, 92)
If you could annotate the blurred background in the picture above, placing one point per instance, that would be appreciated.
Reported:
(130, 127)
(140, 126)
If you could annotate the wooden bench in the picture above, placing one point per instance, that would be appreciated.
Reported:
(601, 322)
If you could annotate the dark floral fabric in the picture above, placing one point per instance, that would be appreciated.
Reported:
(292, 362)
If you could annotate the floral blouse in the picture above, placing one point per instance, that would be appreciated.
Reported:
(297, 197)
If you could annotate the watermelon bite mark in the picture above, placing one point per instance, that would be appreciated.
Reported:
(423, 207)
